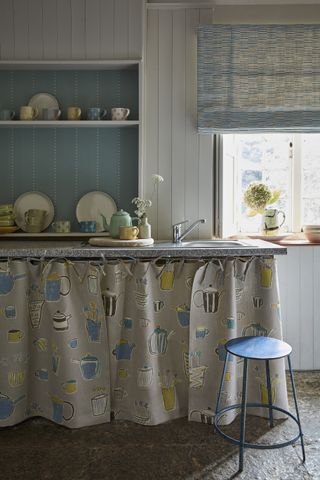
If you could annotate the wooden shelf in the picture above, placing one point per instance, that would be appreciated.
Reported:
(68, 123)
(54, 236)
(69, 64)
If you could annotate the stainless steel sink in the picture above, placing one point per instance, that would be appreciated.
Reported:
(207, 244)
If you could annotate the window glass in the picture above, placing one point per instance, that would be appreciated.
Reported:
(310, 179)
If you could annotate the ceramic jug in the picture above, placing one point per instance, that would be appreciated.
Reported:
(270, 219)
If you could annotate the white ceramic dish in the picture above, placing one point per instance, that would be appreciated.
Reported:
(114, 242)
(43, 100)
(29, 200)
(272, 238)
(92, 205)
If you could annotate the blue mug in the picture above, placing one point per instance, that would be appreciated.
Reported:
(88, 226)
(96, 113)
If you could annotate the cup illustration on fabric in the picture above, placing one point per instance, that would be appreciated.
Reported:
(93, 284)
(145, 376)
(257, 302)
(16, 377)
(119, 113)
(127, 323)
(93, 328)
(265, 276)
(158, 305)
(28, 113)
(229, 322)
(41, 344)
(183, 315)
(208, 299)
(109, 302)
(15, 336)
(167, 280)
(73, 343)
(42, 374)
(123, 373)
(74, 113)
(144, 322)
(62, 410)
(99, 404)
(55, 286)
(35, 310)
(202, 332)
(120, 393)
(255, 330)
(70, 386)
(10, 311)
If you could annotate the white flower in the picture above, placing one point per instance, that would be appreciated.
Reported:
(157, 178)
(143, 204)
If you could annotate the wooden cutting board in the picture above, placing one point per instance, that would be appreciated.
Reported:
(114, 242)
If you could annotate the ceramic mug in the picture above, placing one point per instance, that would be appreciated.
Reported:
(7, 115)
(74, 113)
(120, 113)
(28, 113)
(270, 219)
(88, 226)
(51, 113)
(128, 233)
(96, 113)
(34, 220)
(61, 226)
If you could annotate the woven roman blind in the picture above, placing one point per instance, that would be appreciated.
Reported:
(258, 78)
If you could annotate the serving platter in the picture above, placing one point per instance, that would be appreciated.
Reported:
(29, 200)
(41, 101)
(93, 205)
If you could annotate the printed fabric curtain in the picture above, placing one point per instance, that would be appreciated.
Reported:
(141, 339)
(259, 78)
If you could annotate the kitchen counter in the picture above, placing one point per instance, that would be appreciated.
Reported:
(80, 249)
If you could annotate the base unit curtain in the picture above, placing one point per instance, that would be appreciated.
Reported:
(141, 340)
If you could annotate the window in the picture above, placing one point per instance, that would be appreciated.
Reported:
(289, 162)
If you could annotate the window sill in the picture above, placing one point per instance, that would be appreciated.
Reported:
(292, 240)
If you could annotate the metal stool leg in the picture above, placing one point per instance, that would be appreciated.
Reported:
(269, 393)
(243, 414)
(221, 384)
(297, 411)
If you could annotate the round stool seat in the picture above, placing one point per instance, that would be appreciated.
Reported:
(258, 348)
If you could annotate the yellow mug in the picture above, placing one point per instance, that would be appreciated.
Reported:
(74, 113)
(15, 336)
(28, 113)
(129, 233)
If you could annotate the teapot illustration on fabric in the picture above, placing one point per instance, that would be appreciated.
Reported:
(158, 341)
(7, 405)
(7, 281)
(123, 350)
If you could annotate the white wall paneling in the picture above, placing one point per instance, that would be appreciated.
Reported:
(173, 147)
(71, 29)
(299, 283)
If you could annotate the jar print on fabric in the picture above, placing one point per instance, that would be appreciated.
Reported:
(55, 286)
(16, 377)
(265, 276)
(61, 410)
(99, 404)
(208, 299)
(93, 328)
(158, 341)
(123, 350)
(93, 283)
(145, 376)
(183, 315)
(10, 311)
(90, 366)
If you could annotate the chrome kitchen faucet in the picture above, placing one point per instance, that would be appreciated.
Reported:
(177, 236)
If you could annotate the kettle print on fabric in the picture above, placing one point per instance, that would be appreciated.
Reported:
(123, 350)
(208, 299)
(158, 341)
(7, 281)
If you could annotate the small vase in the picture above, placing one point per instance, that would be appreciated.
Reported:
(144, 228)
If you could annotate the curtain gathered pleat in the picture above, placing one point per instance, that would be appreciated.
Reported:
(141, 339)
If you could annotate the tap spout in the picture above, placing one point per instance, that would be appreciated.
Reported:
(178, 236)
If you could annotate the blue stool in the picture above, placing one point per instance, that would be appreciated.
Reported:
(257, 348)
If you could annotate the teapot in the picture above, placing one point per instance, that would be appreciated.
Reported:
(118, 219)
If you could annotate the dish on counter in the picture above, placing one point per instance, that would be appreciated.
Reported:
(29, 200)
(43, 100)
(12, 229)
(92, 205)
(271, 238)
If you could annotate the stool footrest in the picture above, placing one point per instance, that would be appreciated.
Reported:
(255, 445)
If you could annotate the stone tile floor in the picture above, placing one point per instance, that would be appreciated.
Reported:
(38, 449)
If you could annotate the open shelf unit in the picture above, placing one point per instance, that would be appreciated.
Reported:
(68, 123)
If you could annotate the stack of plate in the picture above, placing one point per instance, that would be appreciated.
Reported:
(6, 215)
(312, 233)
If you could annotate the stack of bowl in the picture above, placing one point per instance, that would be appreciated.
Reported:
(6, 215)
(312, 233)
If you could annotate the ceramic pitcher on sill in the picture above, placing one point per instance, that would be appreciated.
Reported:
(270, 220)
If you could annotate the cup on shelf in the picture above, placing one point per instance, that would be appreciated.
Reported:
(74, 113)
(88, 226)
(96, 113)
(28, 113)
(61, 226)
(119, 113)
(51, 114)
(7, 115)
(34, 219)
(128, 233)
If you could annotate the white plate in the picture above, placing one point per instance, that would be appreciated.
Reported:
(29, 200)
(92, 204)
(43, 100)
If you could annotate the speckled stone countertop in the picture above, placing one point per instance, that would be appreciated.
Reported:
(79, 249)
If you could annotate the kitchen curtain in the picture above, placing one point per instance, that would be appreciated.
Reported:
(143, 340)
(258, 78)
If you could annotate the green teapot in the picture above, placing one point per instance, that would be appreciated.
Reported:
(118, 219)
